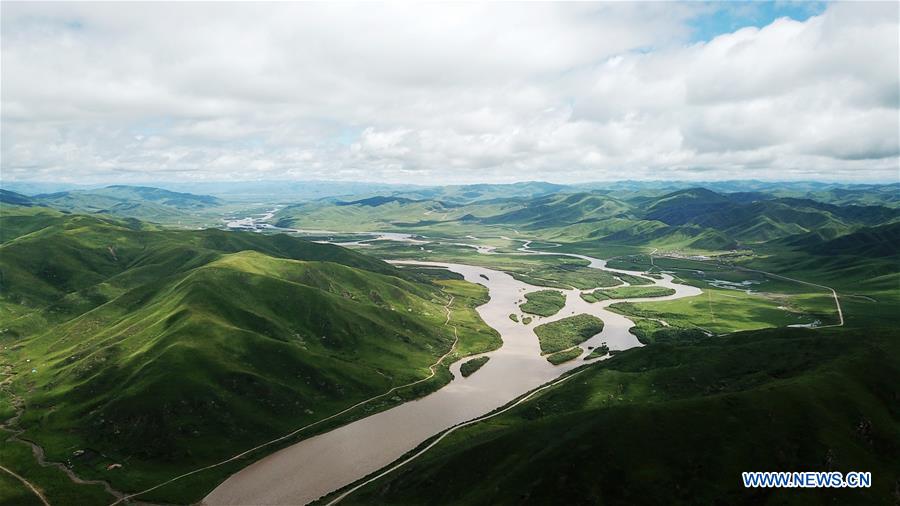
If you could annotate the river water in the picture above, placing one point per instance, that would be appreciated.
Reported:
(319, 465)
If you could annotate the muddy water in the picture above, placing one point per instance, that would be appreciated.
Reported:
(314, 467)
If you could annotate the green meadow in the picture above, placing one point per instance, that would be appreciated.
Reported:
(543, 302)
(567, 332)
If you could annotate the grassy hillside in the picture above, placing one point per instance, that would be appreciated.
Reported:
(169, 350)
(543, 302)
(562, 209)
(671, 424)
(754, 220)
(869, 242)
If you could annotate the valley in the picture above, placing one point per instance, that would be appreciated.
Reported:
(599, 253)
(342, 346)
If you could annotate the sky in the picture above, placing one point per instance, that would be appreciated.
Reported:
(446, 93)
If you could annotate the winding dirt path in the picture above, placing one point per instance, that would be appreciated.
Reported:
(837, 301)
(29, 485)
(11, 425)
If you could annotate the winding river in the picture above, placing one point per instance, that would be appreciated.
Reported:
(322, 464)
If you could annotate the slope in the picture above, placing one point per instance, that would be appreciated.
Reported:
(167, 350)
(677, 425)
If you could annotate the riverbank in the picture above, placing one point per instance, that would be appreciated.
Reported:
(316, 466)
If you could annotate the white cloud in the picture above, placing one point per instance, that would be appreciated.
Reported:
(443, 93)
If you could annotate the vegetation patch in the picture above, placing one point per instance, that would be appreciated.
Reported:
(564, 356)
(514, 317)
(566, 276)
(634, 280)
(627, 292)
(597, 352)
(470, 366)
(718, 311)
(544, 302)
(563, 334)
(475, 336)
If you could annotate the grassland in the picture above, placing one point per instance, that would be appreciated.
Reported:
(53, 483)
(566, 275)
(650, 330)
(567, 332)
(733, 299)
(627, 292)
(634, 280)
(470, 366)
(717, 311)
(564, 356)
(678, 424)
(474, 335)
(543, 302)
(597, 352)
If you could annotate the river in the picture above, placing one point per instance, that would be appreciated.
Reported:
(314, 467)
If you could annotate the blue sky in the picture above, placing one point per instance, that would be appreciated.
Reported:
(726, 17)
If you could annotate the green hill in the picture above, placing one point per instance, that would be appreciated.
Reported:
(867, 242)
(140, 202)
(562, 210)
(677, 424)
(883, 241)
(13, 198)
(744, 218)
(169, 350)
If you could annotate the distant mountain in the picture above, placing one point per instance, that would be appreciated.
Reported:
(375, 201)
(286, 191)
(690, 218)
(683, 206)
(677, 237)
(132, 193)
(747, 219)
(484, 192)
(599, 216)
(561, 209)
(868, 242)
(158, 195)
(37, 187)
(863, 195)
(9, 197)
(142, 202)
